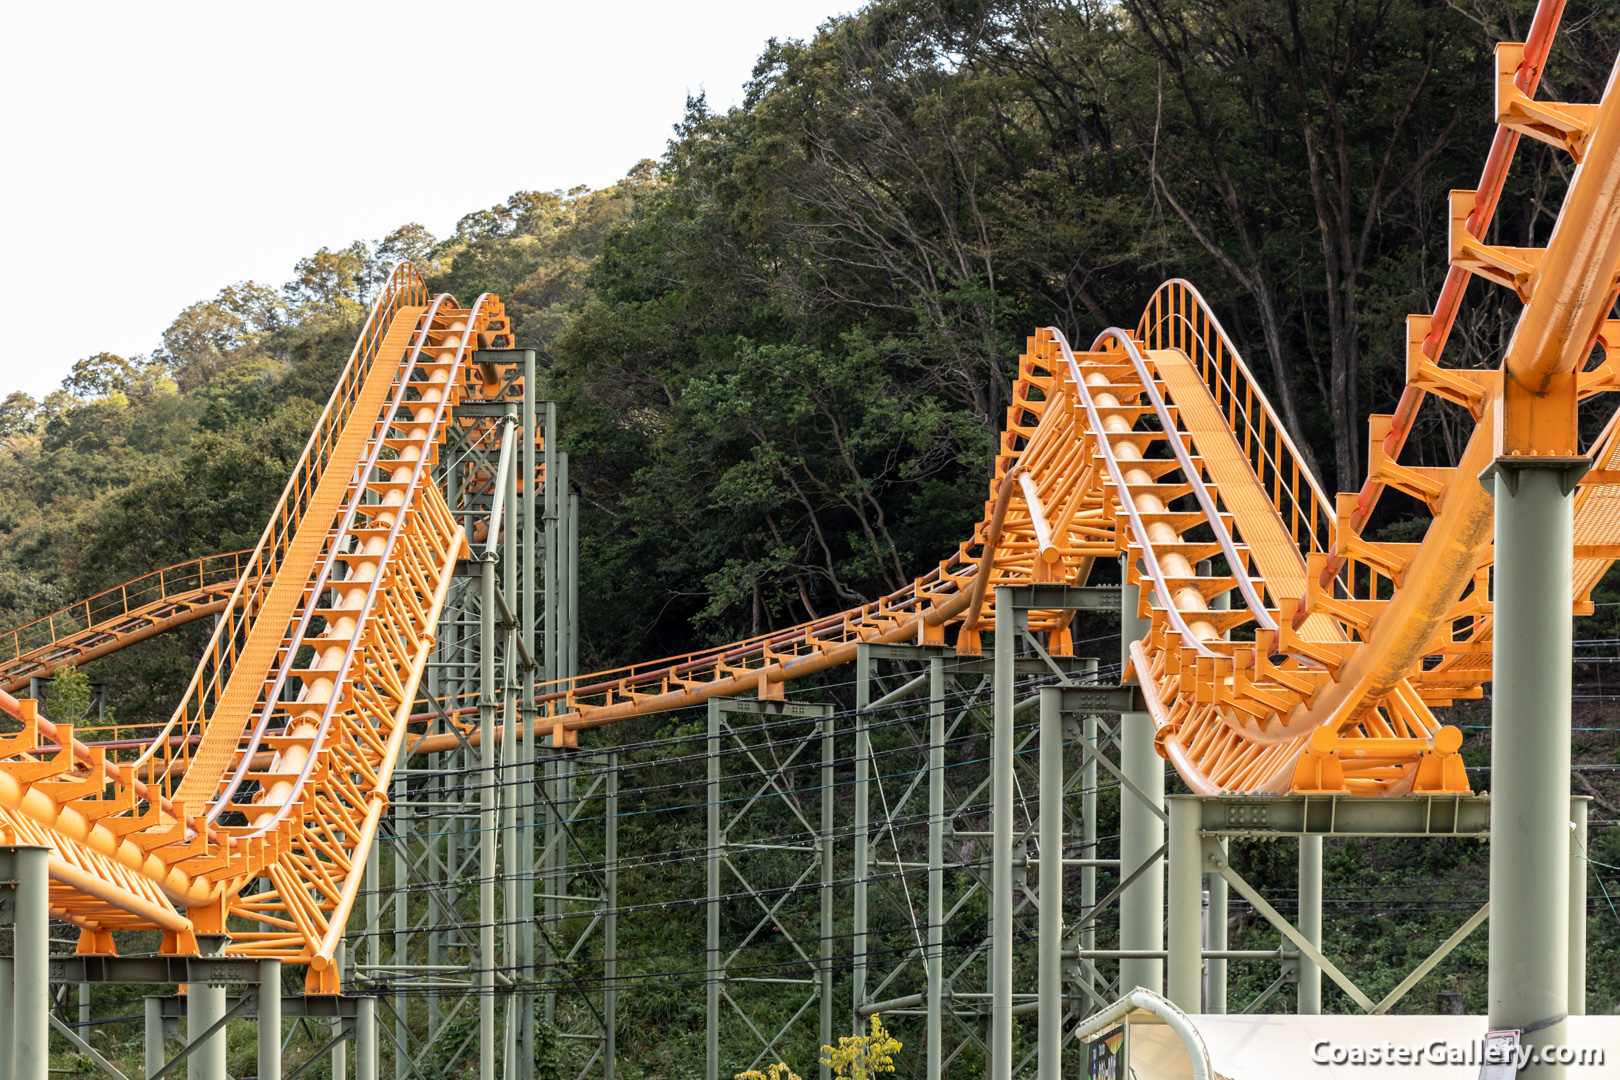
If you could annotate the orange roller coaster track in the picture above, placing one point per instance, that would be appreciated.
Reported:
(1284, 650)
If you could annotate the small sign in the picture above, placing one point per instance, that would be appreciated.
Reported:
(1109, 1060)
(1501, 1055)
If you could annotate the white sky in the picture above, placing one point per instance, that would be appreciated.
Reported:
(153, 152)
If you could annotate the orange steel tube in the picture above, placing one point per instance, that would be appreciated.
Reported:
(981, 580)
(91, 885)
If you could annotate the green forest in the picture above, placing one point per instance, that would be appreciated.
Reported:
(783, 347)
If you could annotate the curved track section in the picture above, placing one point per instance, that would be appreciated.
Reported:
(108, 621)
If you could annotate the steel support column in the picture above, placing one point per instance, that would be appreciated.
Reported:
(711, 984)
(1088, 845)
(1530, 756)
(863, 855)
(1001, 829)
(205, 1007)
(1215, 937)
(365, 1039)
(553, 654)
(1049, 943)
(8, 1011)
(1577, 904)
(1216, 941)
(1141, 830)
(610, 924)
(524, 793)
(156, 1040)
(1310, 922)
(30, 967)
(828, 894)
(269, 1023)
(1183, 977)
(489, 775)
(936, 867)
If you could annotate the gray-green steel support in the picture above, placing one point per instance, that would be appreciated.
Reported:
(31, 1027)
(205, 1007)
(567, 587)
(524, 792)
(1088, 846)
(365, 1039)
(8, 1012)
(863, 855)
(518, 1054)
(372, 888)
(552, 668)
(1141, 830)
(610, 924)
(401, 810)
(1530, 756)
(1577, 905)
(711, 986)
(828, 896)
(1001, 839)
(1310, 922)
(156, 1048)
(1216, 941)
(1184, 975)
(1049, 943)
(489, 775)
(936, 867)
(269, 1023)
(573, 579)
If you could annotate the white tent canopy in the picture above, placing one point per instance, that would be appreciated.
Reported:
(1167, 1044)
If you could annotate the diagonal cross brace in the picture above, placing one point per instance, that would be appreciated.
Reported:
(85, 1048)
(1435, 957)
(248, 1001)
(1125, 782)
(1215, 858)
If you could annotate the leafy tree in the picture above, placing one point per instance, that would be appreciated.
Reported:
(100, 375)
(19, 415)
(408, 243)
(336, 281)
(211, 335)
(70, 697)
